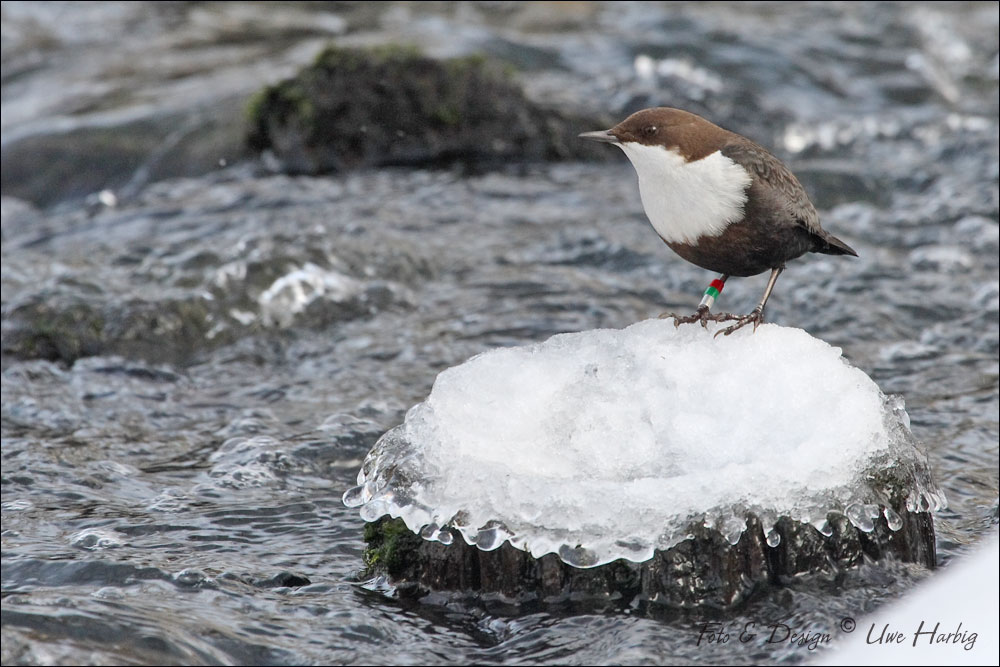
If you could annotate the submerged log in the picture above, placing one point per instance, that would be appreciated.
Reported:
(703, 570)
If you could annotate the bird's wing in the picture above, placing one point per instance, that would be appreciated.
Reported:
(776, 183)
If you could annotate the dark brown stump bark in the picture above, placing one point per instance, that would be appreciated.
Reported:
(705, 570)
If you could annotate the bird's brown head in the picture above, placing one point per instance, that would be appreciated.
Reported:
(689, 134)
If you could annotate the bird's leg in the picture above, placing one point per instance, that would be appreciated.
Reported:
(703, 313)
(756, 316)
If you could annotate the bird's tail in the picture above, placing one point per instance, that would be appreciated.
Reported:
(831, 245)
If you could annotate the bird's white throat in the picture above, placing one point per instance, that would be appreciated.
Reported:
(685, 200)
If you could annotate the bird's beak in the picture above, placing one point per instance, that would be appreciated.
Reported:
(604, 136)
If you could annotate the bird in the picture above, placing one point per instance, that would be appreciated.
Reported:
(720, 201)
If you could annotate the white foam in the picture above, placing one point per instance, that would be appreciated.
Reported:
(290, 294)
(605, 444)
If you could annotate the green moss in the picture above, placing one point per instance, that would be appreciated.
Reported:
(301, 103)
(447, 114)
(255, 105)
(287, 103)
(334, 57)
(55, 328)
(391, 546)
(293, 99)
(469, 63)
(58, 334)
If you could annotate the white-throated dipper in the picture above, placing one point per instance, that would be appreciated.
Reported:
(720, 201)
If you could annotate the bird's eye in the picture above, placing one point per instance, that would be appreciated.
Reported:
(649, 130)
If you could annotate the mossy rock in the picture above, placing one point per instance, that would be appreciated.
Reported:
(64, 329)
(355, 108)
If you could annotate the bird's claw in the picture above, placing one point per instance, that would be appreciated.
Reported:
(702, 315)
(756, 317)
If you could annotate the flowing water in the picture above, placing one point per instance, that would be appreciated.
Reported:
(199, 351)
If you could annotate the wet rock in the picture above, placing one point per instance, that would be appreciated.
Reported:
(393, 106)
(66, 330)
(283, 580)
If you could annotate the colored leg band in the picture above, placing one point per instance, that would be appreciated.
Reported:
(712, 293)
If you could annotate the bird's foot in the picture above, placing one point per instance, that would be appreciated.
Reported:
(756, 317)
(702, 315)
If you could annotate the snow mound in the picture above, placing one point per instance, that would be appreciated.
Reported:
(607, 444)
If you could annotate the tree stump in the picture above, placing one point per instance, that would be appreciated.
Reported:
(703, 570)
